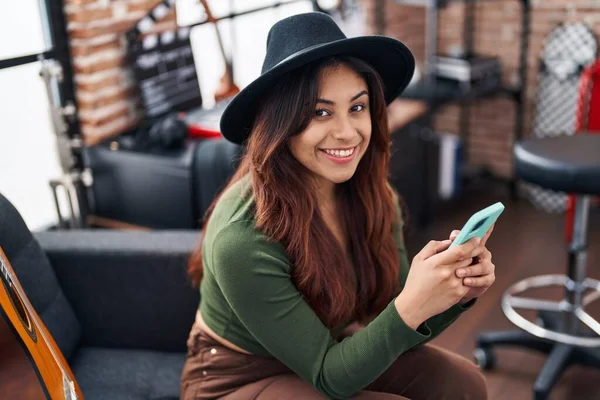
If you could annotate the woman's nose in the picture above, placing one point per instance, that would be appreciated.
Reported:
(344, 129)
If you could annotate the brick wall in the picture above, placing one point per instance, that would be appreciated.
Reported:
(109, 106)
(105, 89)
(497, 33)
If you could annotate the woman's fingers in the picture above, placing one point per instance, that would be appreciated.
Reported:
(432, 248)
(484, 268)
(481, 281)
(459, 253)
(458, 265)
(479, 252)
(487, 234)
(486, 255)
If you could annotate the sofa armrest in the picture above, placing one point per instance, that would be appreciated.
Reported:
(128, 289)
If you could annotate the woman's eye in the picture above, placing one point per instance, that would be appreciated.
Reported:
(358, 108)
(322, 113)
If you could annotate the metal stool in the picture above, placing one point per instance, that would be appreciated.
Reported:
(563, 330)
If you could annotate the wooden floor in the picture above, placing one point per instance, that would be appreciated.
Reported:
(525, 242)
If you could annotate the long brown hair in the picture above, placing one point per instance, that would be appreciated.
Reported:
(337, 289)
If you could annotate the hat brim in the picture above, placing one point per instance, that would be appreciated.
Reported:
(389, 57)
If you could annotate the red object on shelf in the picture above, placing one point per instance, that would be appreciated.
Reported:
(200, 132)
(203, 123)
(588, 121)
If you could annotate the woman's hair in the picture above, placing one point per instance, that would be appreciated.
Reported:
(338, 289)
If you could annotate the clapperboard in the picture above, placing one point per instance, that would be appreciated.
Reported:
(163, 65)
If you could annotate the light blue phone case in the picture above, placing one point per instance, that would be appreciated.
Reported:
(479, 223)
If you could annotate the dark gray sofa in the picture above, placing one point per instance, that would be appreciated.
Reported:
(119, 304)
(161, 189)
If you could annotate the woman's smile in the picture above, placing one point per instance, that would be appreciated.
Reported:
(339, 155)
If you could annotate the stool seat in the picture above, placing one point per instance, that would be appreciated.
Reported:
(567, 163)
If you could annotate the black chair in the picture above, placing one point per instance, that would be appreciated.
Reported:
(118, 303)
(563, 330)
(163, 188)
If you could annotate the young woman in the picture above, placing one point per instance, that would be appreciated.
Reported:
(306, 289)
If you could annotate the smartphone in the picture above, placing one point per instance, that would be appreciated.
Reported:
(479, 223)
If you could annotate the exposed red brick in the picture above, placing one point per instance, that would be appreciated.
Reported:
(110, 81)
(116, 27)
(88, 49)
(95, 121)
(94, 139)
(143, 6)
(99, 66)
(106, 100)
(89, 15)
(89, 20)
(80, 2)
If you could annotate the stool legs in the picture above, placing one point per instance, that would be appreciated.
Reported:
(513, 338)
(577, 263)
(558, 361)
(569, 319)
(587, 357)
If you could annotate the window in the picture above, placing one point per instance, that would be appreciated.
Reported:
(28, 156)
(244, 36)
(21, 29)
(28, 159)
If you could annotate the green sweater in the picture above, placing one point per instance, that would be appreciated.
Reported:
(248, 298)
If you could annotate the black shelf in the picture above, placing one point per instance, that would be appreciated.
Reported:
(436, 92)
(445, 91)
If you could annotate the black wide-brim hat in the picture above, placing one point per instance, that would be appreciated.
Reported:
(297, 40)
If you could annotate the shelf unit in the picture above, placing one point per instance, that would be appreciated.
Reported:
(429, 88)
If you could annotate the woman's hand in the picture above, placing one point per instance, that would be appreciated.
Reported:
(432, 285)
(480, 275)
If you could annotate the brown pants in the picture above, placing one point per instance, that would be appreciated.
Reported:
(213, 371)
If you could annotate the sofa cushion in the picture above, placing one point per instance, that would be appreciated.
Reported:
(129, 289)
(127, 374)
(38, 278)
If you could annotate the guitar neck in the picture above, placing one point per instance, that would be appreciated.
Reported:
(213, 20)
(52, 368)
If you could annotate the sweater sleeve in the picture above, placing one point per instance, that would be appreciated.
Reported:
(255, 278)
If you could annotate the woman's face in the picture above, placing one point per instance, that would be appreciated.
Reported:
(337, 137)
